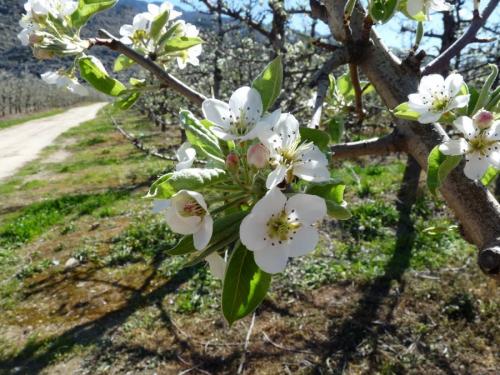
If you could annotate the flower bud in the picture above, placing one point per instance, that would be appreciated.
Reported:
(43, 54)
(483, 119)
(258, 156)
(34, 38)
(232, 162)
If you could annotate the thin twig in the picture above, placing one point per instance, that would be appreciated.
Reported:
(109, 41)
(358, 91)
(266, 338)
(468, 37)
(245, 347)
(318, 104)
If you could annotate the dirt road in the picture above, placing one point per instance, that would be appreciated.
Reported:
(22, 143)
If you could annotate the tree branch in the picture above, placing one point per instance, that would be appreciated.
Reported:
(468, 37)
(167, 79)
(318, 11)
(385, 145)
(318, 103)
(339, 57)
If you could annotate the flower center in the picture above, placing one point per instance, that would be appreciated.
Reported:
(281, 227)
(480, 145)
(440, 103)
(192, 208)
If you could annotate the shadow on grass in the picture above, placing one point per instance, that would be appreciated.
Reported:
(37, 355)
(366, 322)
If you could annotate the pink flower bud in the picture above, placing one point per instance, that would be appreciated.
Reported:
(258, 156)
(483, 119)
(232, 162)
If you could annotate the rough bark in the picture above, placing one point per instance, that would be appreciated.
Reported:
(476, 208)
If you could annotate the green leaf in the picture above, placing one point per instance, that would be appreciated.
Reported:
(382, 10)
(439, 166)
(175, 30)
(122, 62)
(87, 8)
(493, 102)
(180, 43)
(92, 71)
(127, 101)
(474, 96)
(485, 93)
(336, 129)
(201, 137)
(269, 83)
(189, 179)
(319, 137)
(337, 211)
(158, 24)
(403, 111)
(245, 285)
(154, 187)
(333, 193)
(345, 87)
(223, 228)
(489, 176)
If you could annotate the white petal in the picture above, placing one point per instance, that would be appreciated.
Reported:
(223, 134)
(263, 127)
(493, 132)
(312, 171)
(253, 232)
(186, 155)
(454, 147)
(431, 83)
(181, 224)
(429, 117)
(288, 129)
(126, 30)
(304, 241)
(453, 83)
(475, 166)
(160, 205)
(272, 259)
(414, 7)
(314, 154)
(217, 112)
(197, 197)
(494, 158)
(272, 203)
(276, 177)
(50, 77)
(217, 265)
(246, 101)
(307, 208)
(202, 237)
(459, 101)
(466, 126)
(153, 9)
(417, 101)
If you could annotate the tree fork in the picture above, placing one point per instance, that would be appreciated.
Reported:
(474, 206)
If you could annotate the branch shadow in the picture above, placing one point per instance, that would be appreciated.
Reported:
(35, 356)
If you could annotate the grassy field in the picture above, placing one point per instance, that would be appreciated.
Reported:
(364, 303)
(5, 123)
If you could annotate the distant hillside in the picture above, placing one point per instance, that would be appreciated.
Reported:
(18, 59)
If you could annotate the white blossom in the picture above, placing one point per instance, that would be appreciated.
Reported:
(278, 228)
(189, 55)
(414, 7)
(437, 96)
(155, 11)
(480, 146)
(185, 155)
(29, 27)
(187, 213)
(241, 119)
(217, 265)
(290, 157)
(64, 81)
(57, 8)
(138, 31)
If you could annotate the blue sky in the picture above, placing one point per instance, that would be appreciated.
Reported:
(389, 32)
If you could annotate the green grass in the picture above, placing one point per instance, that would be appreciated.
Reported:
(34, 116)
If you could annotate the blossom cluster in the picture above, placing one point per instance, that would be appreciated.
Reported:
(265, 157)
(448, 101)
(148, 30)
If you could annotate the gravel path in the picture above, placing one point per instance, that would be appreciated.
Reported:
(22, 143)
